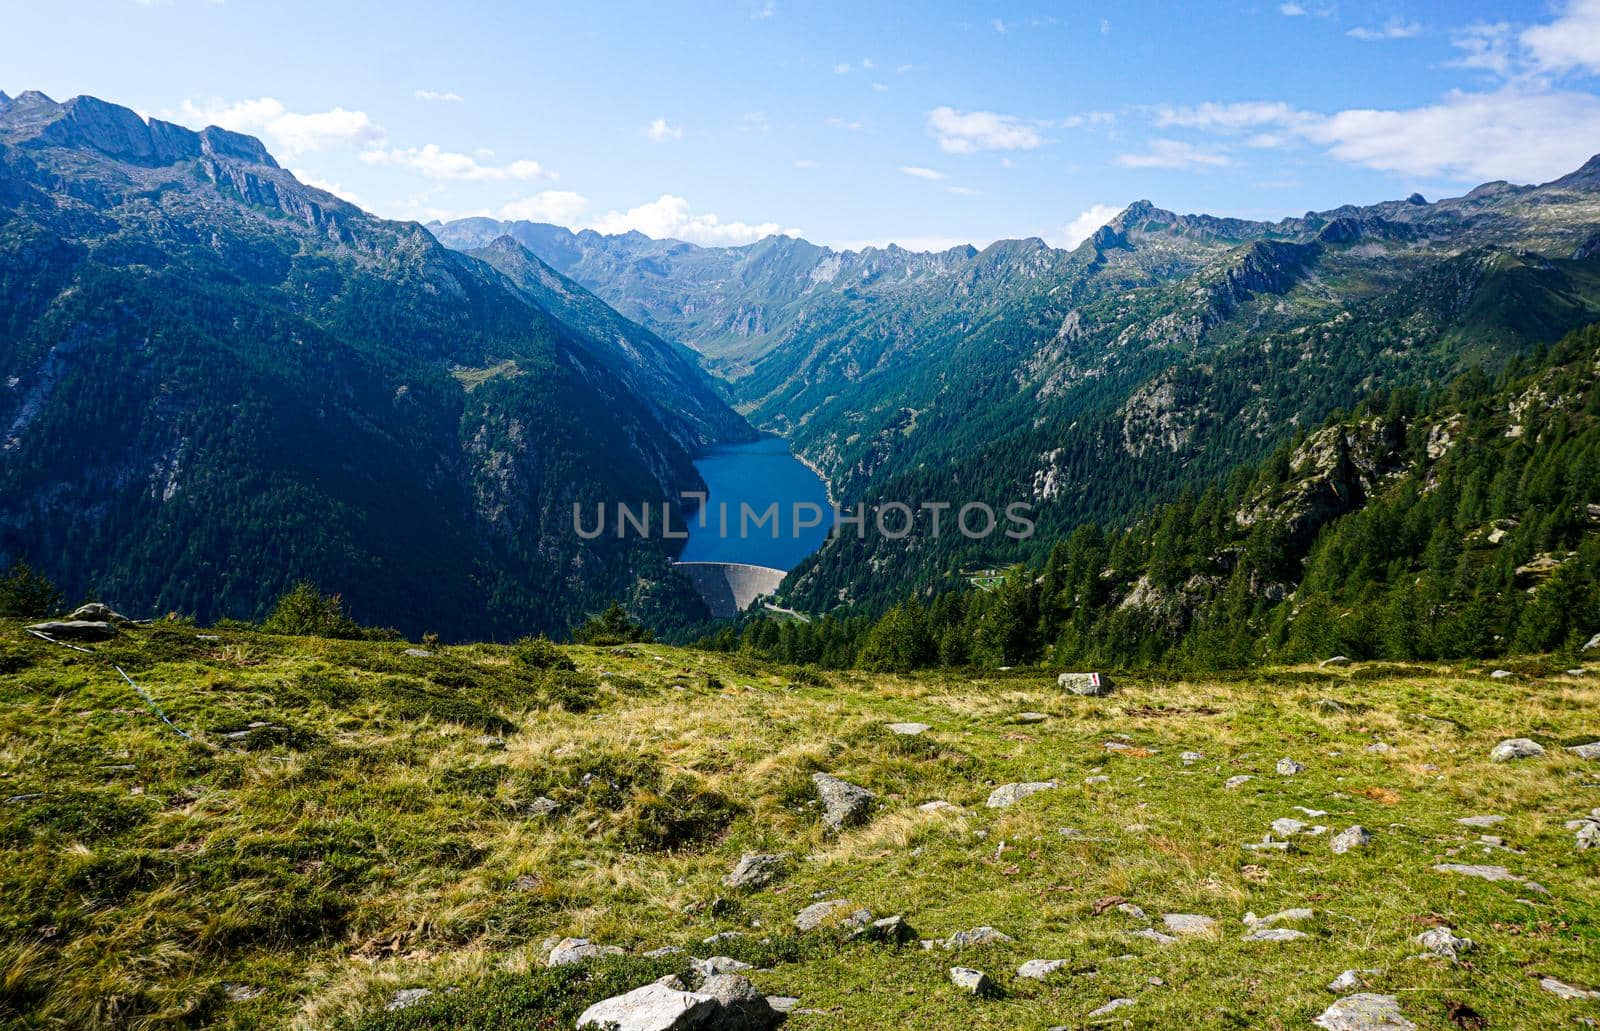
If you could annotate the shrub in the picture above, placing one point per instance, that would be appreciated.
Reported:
(305, 612)
(540, 653)
(611, 627)
(26, 593)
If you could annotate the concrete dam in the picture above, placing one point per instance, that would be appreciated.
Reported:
(728, 588)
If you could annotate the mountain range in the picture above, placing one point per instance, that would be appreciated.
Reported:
(1160, 353)
(216, 381)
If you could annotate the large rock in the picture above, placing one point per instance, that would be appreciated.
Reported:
(977, 936)
(1442, 942)
(651, 1008)
(1189, 923)
(76, 630)
(1094, 684)
(974, 981)
(740, 1007)
(756, 869)
(1349, 839)
(95, 612)
(1364, 1012)
(1591, 750)
(831, 911)
(843, 804)
(1009, 794)
(1515, 748)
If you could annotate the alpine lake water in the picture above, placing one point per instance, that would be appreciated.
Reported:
(752, 477)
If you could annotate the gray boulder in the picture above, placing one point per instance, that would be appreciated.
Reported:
(740, 1007)
(1188, 923)
(1515, 748)
(1349, 839)
(1111, 1007)
(1274, 934)
(1089, 684)
(1591, 750)
(1039, 969)
(578, 950)
(1364, 1012)
(831, 911)
(76, 630)
(1593, 643)
(406, 998)
(756, 869)
(96, 612)
(977, 936)
(654, 1007)
(844, 804)
(1443, 943)
(1288, 767)
(893, 930)
(908, 729)
(969, 980)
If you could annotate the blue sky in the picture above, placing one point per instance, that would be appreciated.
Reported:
(849, 124)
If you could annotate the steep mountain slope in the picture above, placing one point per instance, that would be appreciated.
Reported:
(1162, 351)
(215, 380)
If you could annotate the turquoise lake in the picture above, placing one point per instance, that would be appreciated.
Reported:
(756, 475)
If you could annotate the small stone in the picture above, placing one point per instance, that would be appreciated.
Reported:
(1287, 827)
(577, 950)
(1287, 916)
(1274, 934)
(1487, 873)
(1501, 674)
(1350, 838)
(973, 981)
(1480, 821)
(908, 729)
(1364, 1012)
(893, 930)
(939, 805)
(844, 804)
(1009, 794)
(1379, 747)
(756, 869)
(1190, 758)
(1188, 923)
(1443, 943)
(1515, 748)
(1039, 969)
(1288, 767)
(1347, 981)
(1586, 751)
(1110, 1007)
(714, 965)
(1151, 934)
(1567, 991)
(831, 911)
(663, 952)
(542, 806)
(977, 936)
(1312, 813)
(405, 998)
(782, 1003)
(1032, 717)
(419, 653)
(1234, 783)
(1133, 910)
(1097, 779)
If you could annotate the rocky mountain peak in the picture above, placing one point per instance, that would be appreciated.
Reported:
(5, 102)
(1586, 177)
(120, 132)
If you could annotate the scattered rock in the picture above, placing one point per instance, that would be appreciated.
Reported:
(664, 951)
(237, 992)
(893, 930)
(1443, 943)
(1287, 916)
(1009, 794)
(1133, 910)
(1364, 1012)
(1379, 747)
(1188, 923)
(1234, 783)
(909, 729)
(1110, 1008)
(1032, 717)
(1515, 748)
(783, 1003)
(1313, 813)
(1480, 821)
(76, 630)
(1287, 827)
(939, 806)
(542, 806)
(1337, 660)
(831, 911)
(1288, 767)
(1348, 980)
(1566, 991)
(1274, 934)
(977, 936)
(1092, 684)
(1190, 758)
(419, 653)
(1350, 838)
(715, 965)
(1593, 643)
(739, 1006)
(1488, 873)
(1098, 779)
(577, 950)
(844, 804)
(405, 998)
(756, 869)
(1123, 748)
(1039, 969)
(1502, 674)
(974, 981)
(1586, 751)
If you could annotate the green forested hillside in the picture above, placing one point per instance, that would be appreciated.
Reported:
(215, 382)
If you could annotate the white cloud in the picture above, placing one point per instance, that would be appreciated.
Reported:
(1294, 10)
(1394, 28)
(560, 206)
(880, 87)
(660, 131)
(285, 132)
(761, 11)
(963, 191)
(999, 26)
(921, 173)
(440, 96)
(1173, 154)
(1570, 42)
(1510, 133)
(1485, 46)
(436, 163)
(833, 121)
(842, 68)
(1083, 227)
(669, 217)
(1229, 117)
(1089, 119)
(968, 132)
(804, 163)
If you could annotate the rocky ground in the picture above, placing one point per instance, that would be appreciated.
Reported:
(381, 835)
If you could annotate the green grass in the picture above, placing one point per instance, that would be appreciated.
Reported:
(375, 833)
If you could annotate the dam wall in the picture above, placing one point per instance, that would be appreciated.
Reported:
(728, 588)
